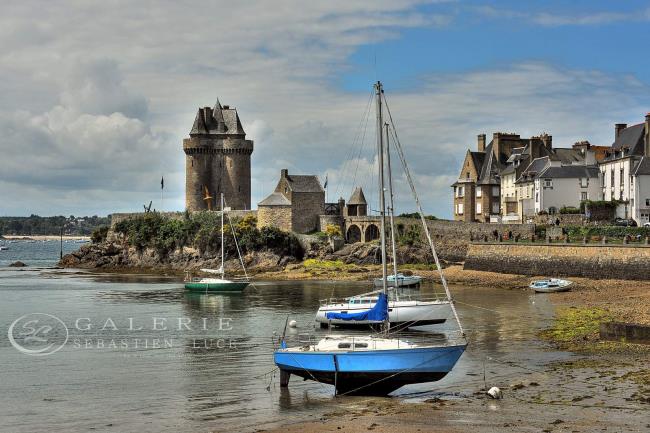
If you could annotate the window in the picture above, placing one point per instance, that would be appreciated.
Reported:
(460, 192)
(548, 183)
(479, 209)
(611, 182)
(622, 178)
(536, 196)
(467, 175)
(584, 182)
(479, 192)
(583, 196)
(495, 207)
(459, 209)
(495, 191)
(647, 201)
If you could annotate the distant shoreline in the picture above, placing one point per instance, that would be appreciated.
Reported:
(46, 237)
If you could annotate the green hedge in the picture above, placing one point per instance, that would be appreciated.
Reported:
(609, 231)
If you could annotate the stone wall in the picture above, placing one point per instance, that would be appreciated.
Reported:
(451, 238)
(307, 206)
(274, 216)
(565, 219)
(561, 260)
(325, 220)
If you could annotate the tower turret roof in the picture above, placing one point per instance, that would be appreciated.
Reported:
(217, 120)
(357, 197)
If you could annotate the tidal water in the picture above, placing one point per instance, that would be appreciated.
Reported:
(137, 353)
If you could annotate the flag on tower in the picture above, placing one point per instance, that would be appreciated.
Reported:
(325, 185)
(162, 182)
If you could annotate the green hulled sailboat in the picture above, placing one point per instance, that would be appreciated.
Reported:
(218, 285)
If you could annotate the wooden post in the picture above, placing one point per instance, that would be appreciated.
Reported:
(61, 244)
(284, 378)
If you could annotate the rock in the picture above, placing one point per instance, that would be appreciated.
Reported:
(495, 393)
(17, 264)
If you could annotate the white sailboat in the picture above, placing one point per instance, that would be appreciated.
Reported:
(404, 309)
(373, 364)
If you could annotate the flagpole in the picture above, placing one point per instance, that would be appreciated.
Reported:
(162, 188)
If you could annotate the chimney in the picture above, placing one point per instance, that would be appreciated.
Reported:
(620, 127)
(647, 135)
(284, 173)
(481, 142)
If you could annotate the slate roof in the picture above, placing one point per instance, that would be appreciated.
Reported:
(490, 171)
(478, 158)
(570, 171)
(631, 138)
(568, 156)
(357, 197)
(217, 120)
(275, 199)
(304, 183)
(642, 167)
(534, 168)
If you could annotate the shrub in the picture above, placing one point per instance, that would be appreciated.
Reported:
(569, 210)
(416, 215)
(333, 230)
(99, 235)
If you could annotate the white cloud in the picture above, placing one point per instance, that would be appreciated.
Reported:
(555, 19)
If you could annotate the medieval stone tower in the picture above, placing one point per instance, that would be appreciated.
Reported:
(217, 159)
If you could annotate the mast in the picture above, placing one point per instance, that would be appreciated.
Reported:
(391, 206)
(382, 203)
(222, 248)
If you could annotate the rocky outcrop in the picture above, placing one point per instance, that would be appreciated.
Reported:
(111, 255)
(17, 264)
(115, 255)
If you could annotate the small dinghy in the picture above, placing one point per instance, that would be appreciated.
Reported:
(400, 280)
(551, 285)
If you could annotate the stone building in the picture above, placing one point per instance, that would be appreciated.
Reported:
(295, 204)
(217, 160)
(357, 204)
(477, 192)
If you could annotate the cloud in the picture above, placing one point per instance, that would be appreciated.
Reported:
(554, 19)
(95, 102)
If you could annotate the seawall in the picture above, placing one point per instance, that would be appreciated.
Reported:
(624, 262)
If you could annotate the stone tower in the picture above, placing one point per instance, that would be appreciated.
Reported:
(217, 159)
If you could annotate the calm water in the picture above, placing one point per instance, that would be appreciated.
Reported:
(211, 376)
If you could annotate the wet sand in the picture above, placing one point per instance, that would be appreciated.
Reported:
(593, 390)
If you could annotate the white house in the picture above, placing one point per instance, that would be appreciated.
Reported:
(640, 191)
(617, 176)
(557, 186)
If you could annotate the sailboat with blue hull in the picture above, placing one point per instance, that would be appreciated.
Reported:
(374, 364)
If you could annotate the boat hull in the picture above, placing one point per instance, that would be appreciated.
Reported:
(400, 313)
(235, 286)
(371, 372)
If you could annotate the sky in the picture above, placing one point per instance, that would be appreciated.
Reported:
(96, 97)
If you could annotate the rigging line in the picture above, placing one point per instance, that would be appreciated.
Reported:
(350, 150)
(400, 153)
(361, 148)
(395, 374)
(241, 260)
